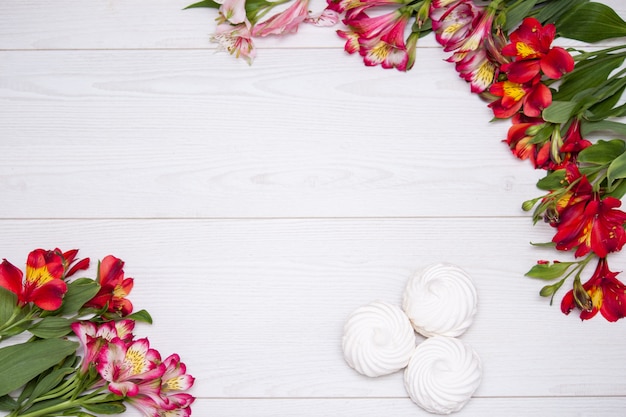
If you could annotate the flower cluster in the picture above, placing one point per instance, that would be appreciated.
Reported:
(555, 99)
(52, 374)
(240, 21)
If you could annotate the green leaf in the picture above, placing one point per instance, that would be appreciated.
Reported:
(587, 74)
(78, 293)
(617, 169)
(552, 181)
(617, 189)
(48, 382)
(560, 111)
(8, 304)
(516, 13)
(114, 407)
(51, 327)
(7, 403)
(552, 11)
(618, 128)
(605, 108)
(204, 3)
(141, 316)
(602, 152)
(548, 271)
(22, 362)
(592, 22)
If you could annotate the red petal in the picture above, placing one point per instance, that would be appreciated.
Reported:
(556, 63)
(538, 99)
(10, 277)
(50, 295)
(522, 71)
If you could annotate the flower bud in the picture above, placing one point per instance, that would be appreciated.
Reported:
(581, 297)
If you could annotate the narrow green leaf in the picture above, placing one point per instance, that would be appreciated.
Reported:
(553, 11)
(48, 382)
(204, 3)
(517, 13)
(548, 271)
(8, 303)
(78, 293)
(587, 74)
(605, 108)
(115, 407)
(592, 22)
(141, 315)
(617, 169)
(602, 152)
(7, 403)
(51, 327)
(618, 128)
(560, 111)
(22, 362)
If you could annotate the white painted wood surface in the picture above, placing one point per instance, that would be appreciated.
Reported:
(256, 207)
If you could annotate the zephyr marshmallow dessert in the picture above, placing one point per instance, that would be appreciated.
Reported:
(378, 339)
(440, 300)
(442, 374)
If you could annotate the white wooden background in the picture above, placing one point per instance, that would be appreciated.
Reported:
(257, 206)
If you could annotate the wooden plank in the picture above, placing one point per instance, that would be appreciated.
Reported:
(477, 407)
(256, 307)
(292, 138)
(147, 24)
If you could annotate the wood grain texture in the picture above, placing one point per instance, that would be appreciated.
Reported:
(258, 206)
(256, 307)
(278, 140)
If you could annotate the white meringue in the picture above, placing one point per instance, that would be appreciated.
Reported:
(440, 300)
(378, 339)
(442, 374)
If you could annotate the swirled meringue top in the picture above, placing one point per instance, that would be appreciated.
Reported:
(442, 374)
(440, 300)
(378, 339)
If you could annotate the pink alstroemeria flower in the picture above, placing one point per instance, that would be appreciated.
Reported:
(233, 11)
(127, 367)
(174, 382)
(172, 400)
(93, 338)
(286, 21)
(236, 39)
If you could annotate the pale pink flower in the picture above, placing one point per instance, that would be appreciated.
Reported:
(286, 21)
(94, 337)
(326, 18)
(233, 11)
(174, 382)
(127, 367)
(236, 40)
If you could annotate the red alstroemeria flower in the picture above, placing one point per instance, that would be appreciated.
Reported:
(606, 293)
(44, 283)
(521, 142)
(531, 98)
(573, 141)
(594, 226)
(113, 287)
(530, 45)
